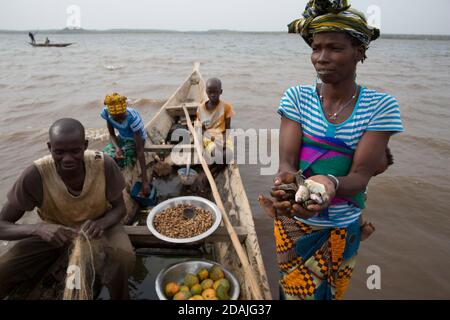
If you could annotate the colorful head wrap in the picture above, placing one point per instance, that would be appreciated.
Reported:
(333, 16)
(116, 104)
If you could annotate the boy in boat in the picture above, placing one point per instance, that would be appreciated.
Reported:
(47, 41)
(129, 144)
(367, 228)
(73, 189)
(214, 116)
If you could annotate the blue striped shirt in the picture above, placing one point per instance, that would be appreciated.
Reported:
(132, 124)
(373, 111)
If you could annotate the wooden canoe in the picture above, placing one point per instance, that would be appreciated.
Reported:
(56, 45)
(190, 94)
(218, 246)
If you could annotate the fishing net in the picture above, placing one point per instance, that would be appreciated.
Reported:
(81, 270)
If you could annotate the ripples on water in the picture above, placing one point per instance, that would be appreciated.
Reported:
(408, 204)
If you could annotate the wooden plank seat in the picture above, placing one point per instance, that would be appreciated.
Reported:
(141, 236)
(168, 147)
(177, 111)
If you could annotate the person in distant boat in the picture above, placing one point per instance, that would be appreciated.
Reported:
(336, 132)
(33, 41)
(214, 117)
(74, 189)
(47, 41)
(129, 144)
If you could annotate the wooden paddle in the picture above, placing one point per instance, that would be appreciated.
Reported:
(256, 290)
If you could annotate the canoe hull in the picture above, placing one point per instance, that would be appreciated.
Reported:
(54, 45)
(231, 190)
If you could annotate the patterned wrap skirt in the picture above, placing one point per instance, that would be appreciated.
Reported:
(316, 263)
(129, 152)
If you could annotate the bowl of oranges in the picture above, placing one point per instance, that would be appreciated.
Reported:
(196, 280)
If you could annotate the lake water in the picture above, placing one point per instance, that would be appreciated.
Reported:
(408, 204)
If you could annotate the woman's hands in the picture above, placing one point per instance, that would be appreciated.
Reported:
(283, 206)
(281, 201)
(330, 192)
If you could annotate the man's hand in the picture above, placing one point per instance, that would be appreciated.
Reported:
(93, 229)
(55, 234)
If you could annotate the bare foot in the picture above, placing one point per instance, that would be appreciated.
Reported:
(267, 206)
(366, 230)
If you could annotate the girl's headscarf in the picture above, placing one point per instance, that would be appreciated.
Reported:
(116, 104)
(333, 16)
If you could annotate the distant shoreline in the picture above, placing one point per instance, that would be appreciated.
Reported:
(143, 31)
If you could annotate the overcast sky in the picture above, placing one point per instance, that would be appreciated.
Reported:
(396, 16)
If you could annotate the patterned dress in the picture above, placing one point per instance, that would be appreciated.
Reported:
(316, 257)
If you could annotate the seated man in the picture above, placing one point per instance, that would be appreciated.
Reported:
(214, 116)
(74, 189)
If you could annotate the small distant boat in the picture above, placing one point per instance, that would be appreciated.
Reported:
(59, 45)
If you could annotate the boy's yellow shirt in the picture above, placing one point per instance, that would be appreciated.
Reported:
(215, 120)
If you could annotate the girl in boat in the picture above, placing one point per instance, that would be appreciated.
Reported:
(129, 144)
(341, 130)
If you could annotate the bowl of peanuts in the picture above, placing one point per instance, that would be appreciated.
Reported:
(184, 219)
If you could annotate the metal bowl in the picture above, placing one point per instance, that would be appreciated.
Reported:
(193, 201)
(176, 273)
(186, 179)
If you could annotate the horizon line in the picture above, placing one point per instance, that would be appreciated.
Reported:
(80, 30)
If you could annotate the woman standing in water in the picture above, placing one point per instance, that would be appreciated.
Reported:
(341, 130)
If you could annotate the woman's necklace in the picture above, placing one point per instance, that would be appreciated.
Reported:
(334, 116)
